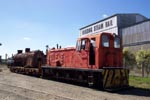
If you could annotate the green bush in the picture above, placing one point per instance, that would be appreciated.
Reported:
(129, 58)
(143, 61)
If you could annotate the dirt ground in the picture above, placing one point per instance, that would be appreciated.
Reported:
(20, 87)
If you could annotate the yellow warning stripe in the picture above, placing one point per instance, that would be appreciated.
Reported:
(109, 79)
(114, 78)
(105, 76)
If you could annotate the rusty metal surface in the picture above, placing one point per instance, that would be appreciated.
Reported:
(29, 59)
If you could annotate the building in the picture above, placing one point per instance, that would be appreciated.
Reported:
(112, 24)
(137, 36)
(133, 28)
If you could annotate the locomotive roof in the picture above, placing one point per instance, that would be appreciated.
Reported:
(93, 35)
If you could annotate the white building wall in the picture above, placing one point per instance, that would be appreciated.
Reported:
(109, 25)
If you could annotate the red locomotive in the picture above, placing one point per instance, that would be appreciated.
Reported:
(96, 60)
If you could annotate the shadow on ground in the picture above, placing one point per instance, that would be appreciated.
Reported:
(135, 91)
(127, 91)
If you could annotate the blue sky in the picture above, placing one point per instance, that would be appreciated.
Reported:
(36, 23)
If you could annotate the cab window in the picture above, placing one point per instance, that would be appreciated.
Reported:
(105, 41)
(78, 46)
(117, 42)
(93, 42)
(83, 44)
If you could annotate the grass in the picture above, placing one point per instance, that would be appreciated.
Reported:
(140, 82)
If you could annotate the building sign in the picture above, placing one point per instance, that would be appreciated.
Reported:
(100, 26)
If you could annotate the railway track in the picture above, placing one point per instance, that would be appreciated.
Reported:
(16, 86)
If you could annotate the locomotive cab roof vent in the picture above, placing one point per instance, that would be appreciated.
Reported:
(27, 49)
(19, 51)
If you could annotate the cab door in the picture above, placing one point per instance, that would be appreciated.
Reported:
(92, 52)
(83, 47)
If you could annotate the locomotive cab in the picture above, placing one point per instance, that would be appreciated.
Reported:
(104, 53)
(103, 50)
(111, 51)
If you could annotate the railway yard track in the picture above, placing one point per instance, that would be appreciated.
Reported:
(20, 87)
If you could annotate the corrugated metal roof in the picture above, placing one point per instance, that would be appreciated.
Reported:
(111, 17)
(137, 23)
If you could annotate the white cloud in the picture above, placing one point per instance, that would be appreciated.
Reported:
(27, 38)
(104, 15)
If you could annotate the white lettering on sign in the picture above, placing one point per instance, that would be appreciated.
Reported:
(100, 26)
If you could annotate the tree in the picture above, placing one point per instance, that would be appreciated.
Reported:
(129, 58)
(143, 61)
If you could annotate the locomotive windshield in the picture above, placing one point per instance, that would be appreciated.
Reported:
(116, 42)
(78, 45)
(105, 41)
(83, 44)
(93, 42)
